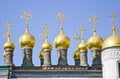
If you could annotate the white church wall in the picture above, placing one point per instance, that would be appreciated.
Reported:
(110, 60)
(110, 70)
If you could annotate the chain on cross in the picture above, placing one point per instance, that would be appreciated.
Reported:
(82, 30)
(61, 17)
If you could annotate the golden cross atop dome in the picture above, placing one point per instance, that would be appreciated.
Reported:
(113, 18)
(76, 37)
(94, 20)
(114, 29)
(26, 16)
(82, 30)
(42, 36)
(61, 17)
(8, 25)
(46, 28)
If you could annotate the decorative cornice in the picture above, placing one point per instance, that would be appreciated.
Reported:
(55, 72)
(112, 53)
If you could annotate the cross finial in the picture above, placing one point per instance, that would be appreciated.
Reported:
(113, 19)
(114, 29)
(82, 30)
(8, 25)
(26, 16)
(61, 17)
(94, 20)
(42, 36)
(46, 28)
(76, 37)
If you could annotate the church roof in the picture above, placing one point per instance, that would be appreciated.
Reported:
(54, 72)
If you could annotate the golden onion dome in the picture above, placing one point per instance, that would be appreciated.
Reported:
(41, 54)
(9, 45)
(111, 41)
(76, 54)
(46, 46)
(114, 40)
(27, 40)
(82, 46)
(62, 41)
(95, 42)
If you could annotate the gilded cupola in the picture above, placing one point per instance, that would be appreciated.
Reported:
(26, 40)
(61, 40)
(114, 40)
(46, 46)
(8, 45)
(76, 54)
(82, 46)
(95, 41)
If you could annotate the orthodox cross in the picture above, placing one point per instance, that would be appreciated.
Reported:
(82, 30)
(42, 36)
(76, 37)
(113, 18)
(61, 17)
(114, 28)
(8, 25)
(46, 28)
(26, 16)
(94, 20)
